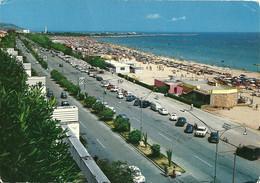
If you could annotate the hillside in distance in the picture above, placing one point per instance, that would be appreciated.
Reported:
(7, 26)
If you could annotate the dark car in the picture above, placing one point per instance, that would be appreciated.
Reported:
(99, 78)
(181, 121)
(50, 94)
(144, 104)
(130, 98)
(189, 128)
(122, 116)
(249, 152)
(65, 103)
(60, 65)
(213, 138)
(137, 102)
(63, 95)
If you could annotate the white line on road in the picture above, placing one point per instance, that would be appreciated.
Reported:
(118, 108)
(203, 161)
(165, 137)
(83, 125)
(137, 119)
(100, 143)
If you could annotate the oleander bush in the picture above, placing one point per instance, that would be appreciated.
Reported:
(122, 125)
(135, 136)
(156, 150)
(106, 114)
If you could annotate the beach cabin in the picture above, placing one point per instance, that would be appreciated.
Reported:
(175, 86)
(117, 67)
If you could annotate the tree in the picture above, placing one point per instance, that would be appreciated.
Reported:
(98, 107)
(156, 150)
(169, 156)
(32, 147)
(90, 101)
(135, 136)
(81, 96)
(122, 125)
(145, 135)
(116, 172)
(106, 115)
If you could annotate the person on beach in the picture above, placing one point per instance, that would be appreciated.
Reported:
(256, 107)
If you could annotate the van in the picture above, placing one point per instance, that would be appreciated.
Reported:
(155, 106)
(249, 152)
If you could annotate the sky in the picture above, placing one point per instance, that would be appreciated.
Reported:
(132, 16)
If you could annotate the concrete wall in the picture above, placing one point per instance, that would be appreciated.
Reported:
(85, 162)
(223, 100)
(66, 113)
(118, 69)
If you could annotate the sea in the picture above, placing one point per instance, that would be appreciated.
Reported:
(233, 50)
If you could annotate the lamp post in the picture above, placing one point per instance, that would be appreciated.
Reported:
(227, 128)
(141, 105)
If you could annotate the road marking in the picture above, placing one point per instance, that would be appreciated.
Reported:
(83, 125)
(203, 161)
(165, 137)
(101, 143)
(137, 119)
(118, 108)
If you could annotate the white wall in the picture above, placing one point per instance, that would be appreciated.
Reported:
(126, 69)
(34, 80)
(27, 68)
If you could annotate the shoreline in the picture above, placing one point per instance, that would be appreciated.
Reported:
(249, 73)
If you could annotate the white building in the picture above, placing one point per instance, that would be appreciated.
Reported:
(117, 67)
(26, 31)
(34, 80)
(19, 58)
(27, 68)
(68, 116)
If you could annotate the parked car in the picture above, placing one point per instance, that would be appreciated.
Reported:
(112, 108)
(122, 116)
(181, 121)
(137, 102)
(60, 65)
(213, 138)
(201, 131)
(50, 93)
(163, 111)
(130, 98)
(144, 103)
(99, 78)
(114, 89)
(91, 74)
(63, 95)
(65, 103)
(155, 106)
(105, 84)
(127, 93)
(173, 117)
(249, 152)
(120, 96)
(137, 175)
(189, 128)
(110, 86)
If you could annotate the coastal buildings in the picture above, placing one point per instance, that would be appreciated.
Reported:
(117, 67)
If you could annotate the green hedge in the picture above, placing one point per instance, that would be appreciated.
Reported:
(150, 87)
(36, 56)
(195, 104)
(73, 89)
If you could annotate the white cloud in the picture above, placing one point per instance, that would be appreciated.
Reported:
(178, 18)
(153, 16)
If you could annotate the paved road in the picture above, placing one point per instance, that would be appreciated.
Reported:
(194, 154)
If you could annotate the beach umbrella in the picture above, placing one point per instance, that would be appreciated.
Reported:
(252, 85)
(241, 87)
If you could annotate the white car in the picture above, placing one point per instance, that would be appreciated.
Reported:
(120, 96)
(105, 104)
(114, 89)
(91, 74)
(201, 131)
(173, 117)
(112, 108)
(163, 111)
(105, 84)
(137, 175)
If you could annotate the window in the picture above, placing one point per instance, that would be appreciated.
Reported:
(122, 68)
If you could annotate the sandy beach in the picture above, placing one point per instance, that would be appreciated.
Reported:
(156, 68)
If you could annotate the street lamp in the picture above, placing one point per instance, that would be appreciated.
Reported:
(227, 128)
(141, 105)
